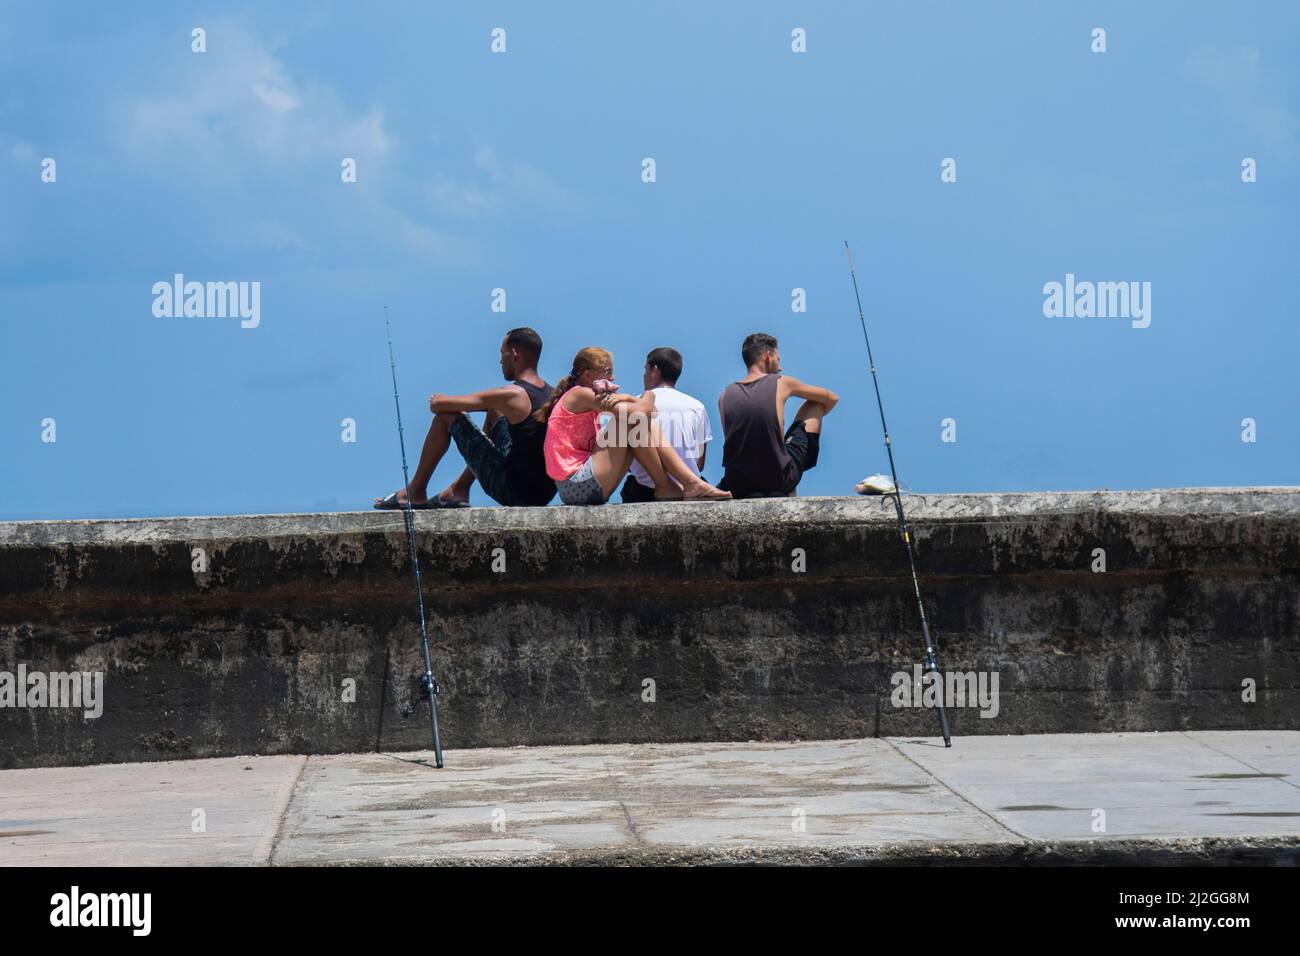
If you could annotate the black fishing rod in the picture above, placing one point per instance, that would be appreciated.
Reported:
(930, 664)
(426, 681)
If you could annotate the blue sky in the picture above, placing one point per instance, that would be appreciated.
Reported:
(522, 170)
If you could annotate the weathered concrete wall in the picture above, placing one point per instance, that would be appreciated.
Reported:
(1201, 591)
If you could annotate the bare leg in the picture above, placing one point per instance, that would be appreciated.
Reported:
(616, 447)
(810, 413)
(639, 433)
(635, 433)
(436, 443)
(458, 490)
(652, 460)
(608, 465)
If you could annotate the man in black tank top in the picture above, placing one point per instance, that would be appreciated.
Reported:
(761, 458)
(506, 456)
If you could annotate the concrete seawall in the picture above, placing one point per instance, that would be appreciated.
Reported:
(768, 620)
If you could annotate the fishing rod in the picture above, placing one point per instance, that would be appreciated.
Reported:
(930, 664)
(426, 681)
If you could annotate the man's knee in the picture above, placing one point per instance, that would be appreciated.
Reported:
(452, 422)
(810, 416)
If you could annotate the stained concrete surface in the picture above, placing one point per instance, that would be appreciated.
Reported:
(776, 620)
(1176, 798)
(145, 814)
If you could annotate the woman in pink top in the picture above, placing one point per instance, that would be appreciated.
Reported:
(586, 463)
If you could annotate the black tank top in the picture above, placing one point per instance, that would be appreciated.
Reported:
(754, 458)
(526, 465)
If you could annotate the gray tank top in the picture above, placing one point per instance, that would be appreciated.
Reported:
(754, 457)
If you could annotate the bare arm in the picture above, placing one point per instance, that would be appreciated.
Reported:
(503, 401)
(583, 399)
(644, 403)
(822, 396)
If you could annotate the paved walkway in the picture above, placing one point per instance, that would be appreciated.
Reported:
(1207, 796)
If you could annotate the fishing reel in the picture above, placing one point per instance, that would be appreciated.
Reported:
(428, 685)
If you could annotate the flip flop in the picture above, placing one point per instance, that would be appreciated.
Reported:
(392, 504)
(686, 500)
(437, 502)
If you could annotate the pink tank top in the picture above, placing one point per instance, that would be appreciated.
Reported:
(570, 440)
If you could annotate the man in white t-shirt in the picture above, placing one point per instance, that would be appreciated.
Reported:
(682, 420)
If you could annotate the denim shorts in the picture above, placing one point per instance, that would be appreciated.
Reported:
(581, 487)
(486, 456)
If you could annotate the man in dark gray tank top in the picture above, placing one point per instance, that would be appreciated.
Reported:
(761, 458)
(506, 456)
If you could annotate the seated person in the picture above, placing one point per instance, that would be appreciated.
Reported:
(586, 462)
(506, 456)
(761, 458)
(682, 420)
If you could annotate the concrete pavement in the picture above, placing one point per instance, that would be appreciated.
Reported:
(1179, 797)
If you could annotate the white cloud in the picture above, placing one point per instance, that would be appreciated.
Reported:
(1225, 71)
(276, 235)
(237, 116)
(461, 199)
(1246, 92)
(240, 101)
(503, 185)
(485, 158)
(369, 137)
(277, 99)
(22, 153)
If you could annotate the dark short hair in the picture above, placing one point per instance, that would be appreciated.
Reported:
(669, 363)
(525, 340)
(755, 346)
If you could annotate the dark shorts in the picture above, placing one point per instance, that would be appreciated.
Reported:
(487, 457)
(803, 449)
(635, 493)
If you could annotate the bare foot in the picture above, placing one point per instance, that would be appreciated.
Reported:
(671, 493)
(703, 491)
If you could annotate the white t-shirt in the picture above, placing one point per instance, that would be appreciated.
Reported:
(684, 424)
